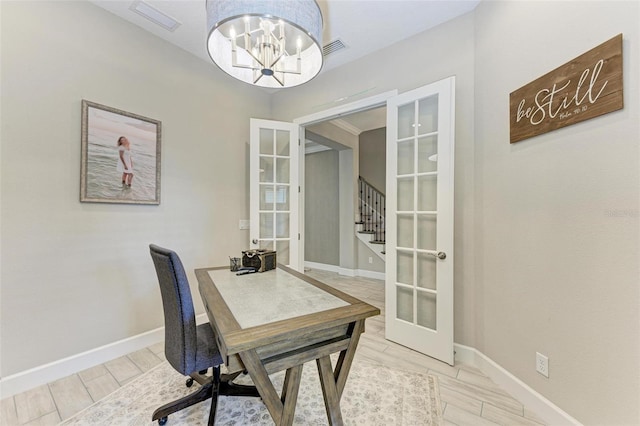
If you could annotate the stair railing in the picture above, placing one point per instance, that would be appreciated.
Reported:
(372, 209)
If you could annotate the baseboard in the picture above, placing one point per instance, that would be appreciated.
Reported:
(347, 272)
(37, 376)
(545, 409)
(322, 266)
(370, 274)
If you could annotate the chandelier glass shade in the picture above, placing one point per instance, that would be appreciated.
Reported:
(267, 43)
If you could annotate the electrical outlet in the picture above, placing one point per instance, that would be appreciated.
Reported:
(370, 259)
(542, 364)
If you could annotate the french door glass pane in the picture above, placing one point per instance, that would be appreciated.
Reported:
(282, 197)
(427, 231)
(282, 170)
(405, 231)
(427, 193)
(405, 194)
(266, 142)
(406, 120)
(426, 271)
(404, 266)
(282, 252)
(282, 225)
(266, 169)
(428, 115)
(266, 245)
(427, 310)
(404, 303)
(282, 142)
(266, 197)
(266, 225)
(427, 154)
(405, 157)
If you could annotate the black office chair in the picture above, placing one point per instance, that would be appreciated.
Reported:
(191, 349)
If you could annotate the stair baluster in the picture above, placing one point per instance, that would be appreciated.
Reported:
(372, 210)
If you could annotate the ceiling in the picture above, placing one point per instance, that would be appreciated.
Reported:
(363, 26)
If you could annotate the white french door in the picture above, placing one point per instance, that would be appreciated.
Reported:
(274, 186)
(419, 217)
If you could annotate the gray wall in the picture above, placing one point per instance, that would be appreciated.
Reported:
(557, 270)
(347, 143)
(322, 233)
(76, 276)
(373, 158)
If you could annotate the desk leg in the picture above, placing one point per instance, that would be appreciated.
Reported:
(346, 357)
(289, 396)
(260, 378)
(329, 391)
(282, 409)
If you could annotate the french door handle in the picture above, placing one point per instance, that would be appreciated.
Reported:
(440, 255)
(254, 241)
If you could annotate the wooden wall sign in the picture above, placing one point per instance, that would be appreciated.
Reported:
(586, 87)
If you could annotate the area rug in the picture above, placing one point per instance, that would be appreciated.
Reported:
(373, 395)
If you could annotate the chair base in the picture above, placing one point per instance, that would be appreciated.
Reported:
(202, 394)
(211, 388)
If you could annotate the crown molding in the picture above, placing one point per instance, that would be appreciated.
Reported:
(338, 122)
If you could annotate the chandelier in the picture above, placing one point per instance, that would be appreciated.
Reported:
(267, 43)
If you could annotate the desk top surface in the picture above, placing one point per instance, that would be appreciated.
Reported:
(262, 298)
(253, 310)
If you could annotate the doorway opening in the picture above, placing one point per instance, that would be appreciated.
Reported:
(344, 190)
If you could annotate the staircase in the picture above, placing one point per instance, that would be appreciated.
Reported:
(371, 211)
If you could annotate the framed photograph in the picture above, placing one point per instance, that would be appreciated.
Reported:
(120, 156)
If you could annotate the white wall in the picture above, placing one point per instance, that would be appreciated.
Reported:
(557, 272)
(76, 276)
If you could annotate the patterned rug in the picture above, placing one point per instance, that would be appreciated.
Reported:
(373, 395)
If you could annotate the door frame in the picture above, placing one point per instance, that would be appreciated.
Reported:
(370, 102)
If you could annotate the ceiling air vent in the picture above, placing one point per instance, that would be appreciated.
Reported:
(154, 15)
(332, 46)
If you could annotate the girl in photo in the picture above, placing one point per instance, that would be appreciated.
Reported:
(125, 161)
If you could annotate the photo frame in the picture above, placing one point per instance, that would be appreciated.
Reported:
(120, 156)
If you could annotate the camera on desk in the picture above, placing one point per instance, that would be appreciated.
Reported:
(261, 260)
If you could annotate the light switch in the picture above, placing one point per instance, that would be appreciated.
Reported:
(245, 224)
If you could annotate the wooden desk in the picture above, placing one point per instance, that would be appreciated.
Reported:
(278, 320)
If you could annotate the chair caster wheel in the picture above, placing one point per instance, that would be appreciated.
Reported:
(162, 421)
(189, 383)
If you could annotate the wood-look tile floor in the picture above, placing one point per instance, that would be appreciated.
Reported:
(468, 396)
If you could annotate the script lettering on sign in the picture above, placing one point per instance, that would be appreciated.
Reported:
(586, 87)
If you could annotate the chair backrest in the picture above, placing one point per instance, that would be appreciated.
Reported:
(179, 315)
